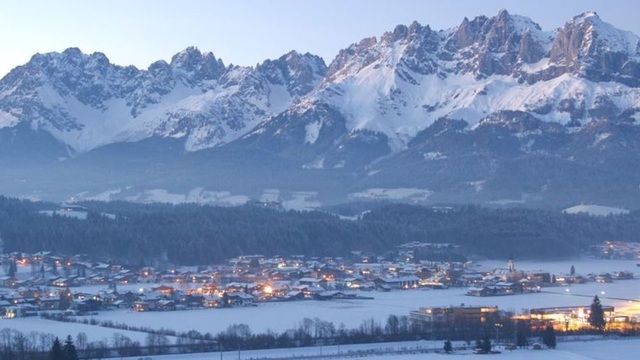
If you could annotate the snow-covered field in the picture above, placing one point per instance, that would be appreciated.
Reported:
(619, 349)
(61, 330)
(286, 315)
(196, 195)
(596, 210)
(410, 194)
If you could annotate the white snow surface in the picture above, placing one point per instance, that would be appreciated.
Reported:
(434, 155)
(312, 131)
(377, 99)
(61, 330)
(72, 214)
(7, 120)
(409, 194)
(282, 316)
(302, 201)
(196, 195)
(270, 195)
(596, 210)
(592, 349)
(317, 163)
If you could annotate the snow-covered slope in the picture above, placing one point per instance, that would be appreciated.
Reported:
(496, 109)
(402, 83)
(86, 102)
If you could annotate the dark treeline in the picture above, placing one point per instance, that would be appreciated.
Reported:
(197, 234)
(308, 332)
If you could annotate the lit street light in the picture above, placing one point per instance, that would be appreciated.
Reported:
(498, 326)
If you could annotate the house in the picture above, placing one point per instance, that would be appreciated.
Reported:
(165, 305)
(40, 255)
(402, 282)
(236, 287)
(4, 305)
(330, 295)
(208, 289)
(212, 301)
(528, 286)
(325, 295)
(294, 295)
(471, 278)
(313, 282)
(60, 282)
(165, 290)
(623, 275)
(146, 272)
(142, 306)
(97, 279)
(107, 298)
(480, 291)
(127, 299)
(14, 299)
(278, 288)
(51, 303)
(87, 305)
(540, 277)
(496, 290)
(101, 268)
(192, 301)
(604, 278)
(239, 299)
(353, 282)
(21, 311)
(8, 281)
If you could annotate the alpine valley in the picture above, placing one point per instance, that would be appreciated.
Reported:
(494, 111)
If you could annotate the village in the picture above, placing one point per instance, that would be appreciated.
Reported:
(45, 282)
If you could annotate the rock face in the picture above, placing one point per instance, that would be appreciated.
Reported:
(86, 102)
(588, 47)
(494, 109)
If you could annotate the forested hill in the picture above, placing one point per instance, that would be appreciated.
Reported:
(196, 234)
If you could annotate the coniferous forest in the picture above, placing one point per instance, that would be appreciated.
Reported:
(196, 234)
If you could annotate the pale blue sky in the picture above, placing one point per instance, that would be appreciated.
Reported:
(246, 32)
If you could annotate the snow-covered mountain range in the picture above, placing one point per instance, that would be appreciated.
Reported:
(494, 110)
(86, 102)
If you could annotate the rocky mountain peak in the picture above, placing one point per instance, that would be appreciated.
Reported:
(496, 45)
(300, 73)
(187, 59)
(355, 53)
(203, 66)
(72, 56)
(502, 34)
(298, 62)
(591, 17)
(160, 68)
(590, 47)
(399, 33)
(98, 60)
(466, 34)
